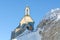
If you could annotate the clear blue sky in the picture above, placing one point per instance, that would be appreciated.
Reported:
(12, 11)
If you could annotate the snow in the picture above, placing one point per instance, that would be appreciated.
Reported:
(30, 36)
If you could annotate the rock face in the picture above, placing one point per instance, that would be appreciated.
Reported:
(50, 25)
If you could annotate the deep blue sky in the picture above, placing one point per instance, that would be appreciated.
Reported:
(12, 11)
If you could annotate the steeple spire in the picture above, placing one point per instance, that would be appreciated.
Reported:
(27, 11)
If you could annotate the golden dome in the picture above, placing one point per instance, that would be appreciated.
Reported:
(27, 17)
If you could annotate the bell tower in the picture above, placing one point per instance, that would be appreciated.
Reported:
(25, 25)
(27, 20)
